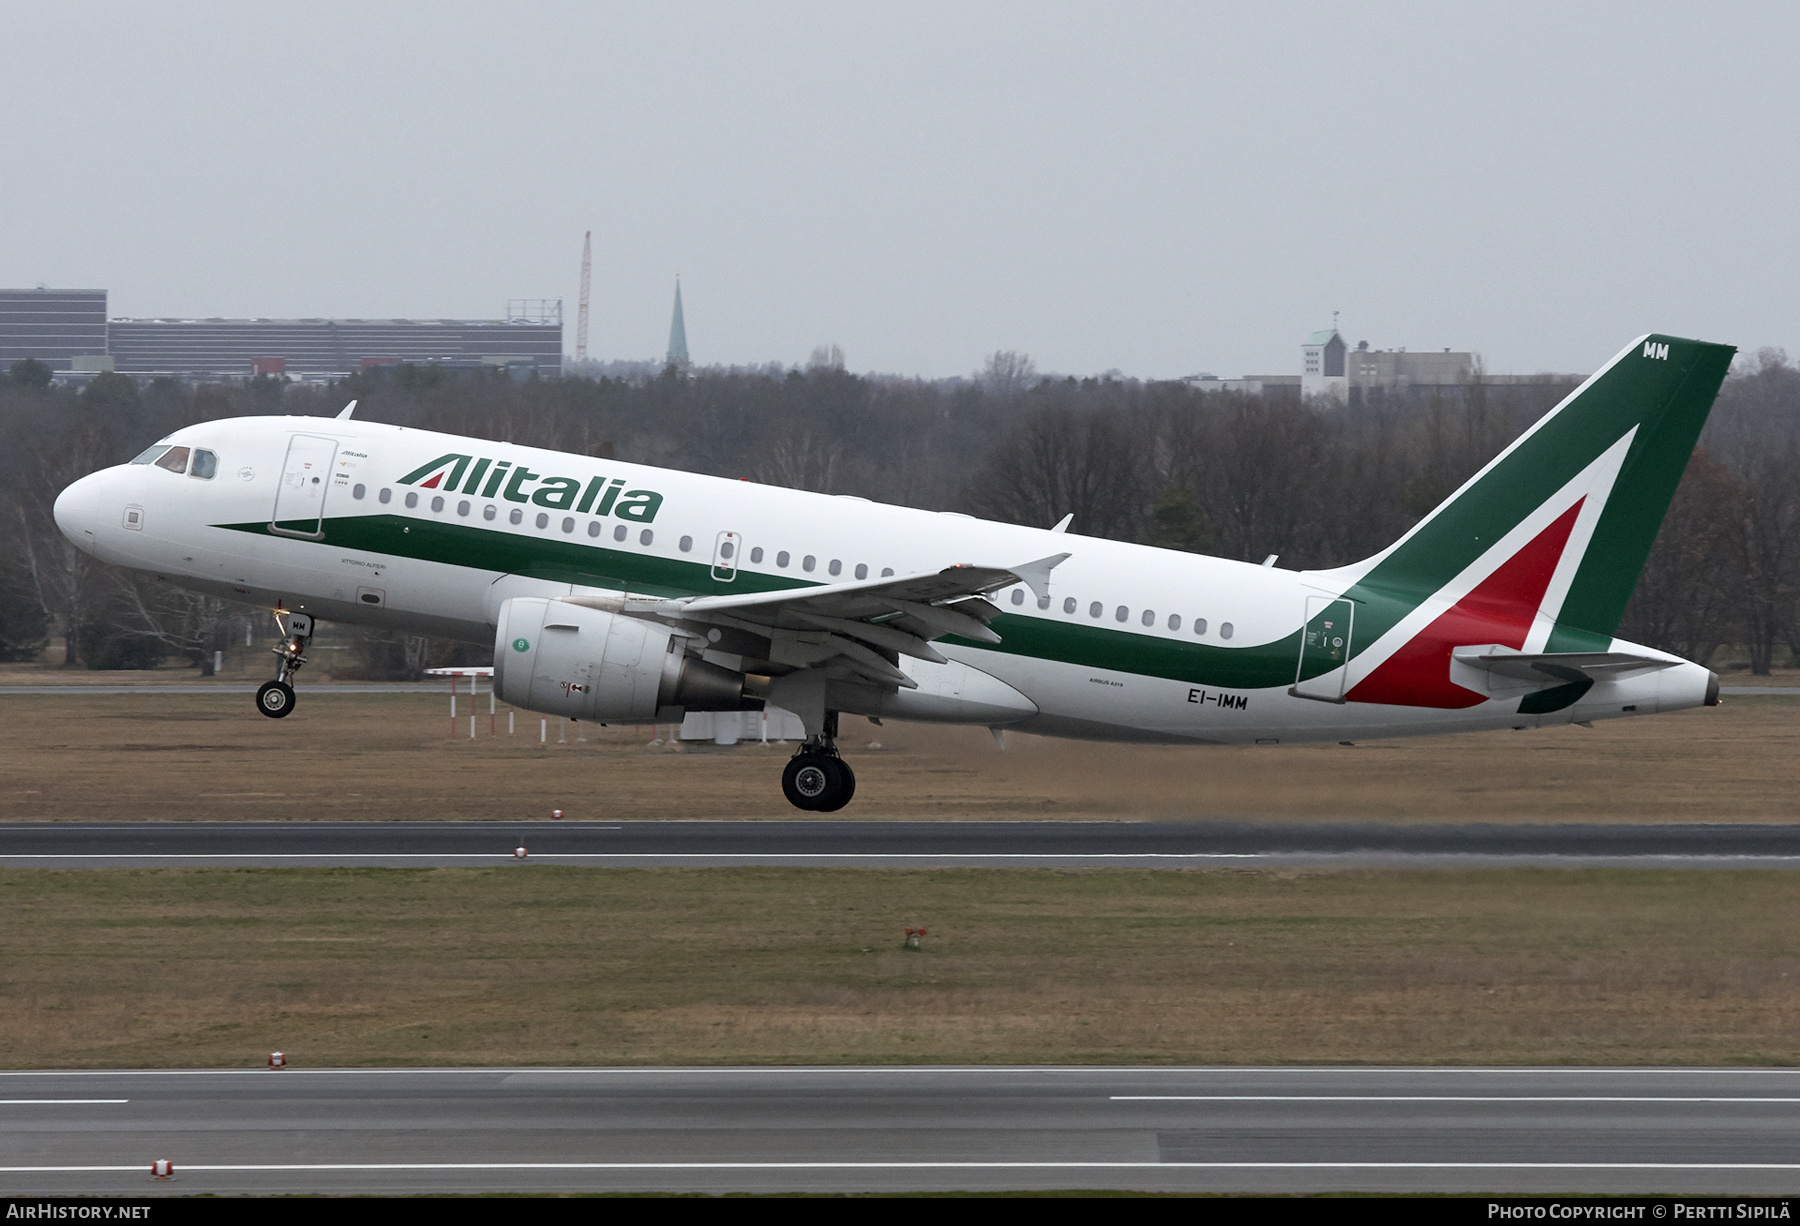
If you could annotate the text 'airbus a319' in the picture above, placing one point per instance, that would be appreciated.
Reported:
(619, 593)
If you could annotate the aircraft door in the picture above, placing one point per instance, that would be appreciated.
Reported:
(1324, 649)
(305, 476)
(725, 556)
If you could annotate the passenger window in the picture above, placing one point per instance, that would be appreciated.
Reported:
(462, 508)
(836, 567)
(174, 459)
(487, 512)
(1149, 618)
(206, 466)
(385, 497)
(1199, 625)
(887, 572)
(1122, 614)
(619, 533)
(517, 516)
(412, 500)
(543, 520)
(1174, 621)
(725, 549)
(357, 491)
(646, 536)
(1018, 595)
(568, 524)
(1224, 630)
(685, 544)
(593, 527)
(862, 572)
(437, 504)
(1095, 609)
(1043, 602)
(781, 559)
(1069, 605)
(808, 562)
(756, 556)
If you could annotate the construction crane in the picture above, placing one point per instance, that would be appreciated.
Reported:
(581, 317)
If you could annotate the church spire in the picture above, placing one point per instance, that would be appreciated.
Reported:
(678, 351)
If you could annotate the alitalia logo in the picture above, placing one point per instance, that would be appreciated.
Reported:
(488, 478)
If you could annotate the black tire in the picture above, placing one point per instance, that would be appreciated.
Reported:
(846, 787)
(812, 782)
(275, 699)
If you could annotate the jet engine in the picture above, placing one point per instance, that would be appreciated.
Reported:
(573, 660)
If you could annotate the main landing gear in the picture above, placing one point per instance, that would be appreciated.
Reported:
(276, 698)
(816, 779)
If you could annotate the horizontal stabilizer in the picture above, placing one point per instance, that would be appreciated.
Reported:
(1557, 667)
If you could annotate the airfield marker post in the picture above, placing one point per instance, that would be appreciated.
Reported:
(543, 732)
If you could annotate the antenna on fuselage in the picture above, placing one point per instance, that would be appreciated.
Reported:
(348, 409)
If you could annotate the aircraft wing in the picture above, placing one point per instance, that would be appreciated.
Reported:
(865, 625)
(1556, 667)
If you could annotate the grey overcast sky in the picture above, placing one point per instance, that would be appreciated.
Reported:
(1160, 189)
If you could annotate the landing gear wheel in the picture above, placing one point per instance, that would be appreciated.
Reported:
(849, 777)
(275, 699)
(817, 783)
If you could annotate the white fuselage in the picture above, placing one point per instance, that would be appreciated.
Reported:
(1131, 634)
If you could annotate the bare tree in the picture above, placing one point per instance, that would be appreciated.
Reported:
(1006, 373)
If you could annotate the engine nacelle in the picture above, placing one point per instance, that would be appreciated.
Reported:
(584, 663)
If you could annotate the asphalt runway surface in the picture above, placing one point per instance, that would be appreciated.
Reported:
(897, 844)
(1687, 1131)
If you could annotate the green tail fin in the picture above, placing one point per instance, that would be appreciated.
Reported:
(1617, 446)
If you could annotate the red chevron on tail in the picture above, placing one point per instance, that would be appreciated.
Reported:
(1499, 609)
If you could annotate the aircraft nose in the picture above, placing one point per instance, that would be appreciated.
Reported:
(80, 510)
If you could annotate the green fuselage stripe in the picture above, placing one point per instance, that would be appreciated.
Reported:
(1258, 666)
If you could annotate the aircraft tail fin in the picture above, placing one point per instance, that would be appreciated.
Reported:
(1540, 550)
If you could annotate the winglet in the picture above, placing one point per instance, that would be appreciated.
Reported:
(1036, 575)
(348, 409)
(1062, 525)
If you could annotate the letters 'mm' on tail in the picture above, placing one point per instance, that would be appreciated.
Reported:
(1540, 550)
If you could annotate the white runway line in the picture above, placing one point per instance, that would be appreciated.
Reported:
(57, 1102)
(1072, 1164)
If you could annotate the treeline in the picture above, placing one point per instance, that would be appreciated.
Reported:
(1235, 475)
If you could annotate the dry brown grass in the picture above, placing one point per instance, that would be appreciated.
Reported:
(536, 964)
(378, 756)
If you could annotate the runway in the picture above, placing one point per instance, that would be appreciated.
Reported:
(1686, 1131)
(899, 844)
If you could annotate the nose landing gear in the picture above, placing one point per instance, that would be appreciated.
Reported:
(816, 779)
(276, 698)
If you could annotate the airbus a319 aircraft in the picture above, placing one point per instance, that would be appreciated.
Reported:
(618, 593)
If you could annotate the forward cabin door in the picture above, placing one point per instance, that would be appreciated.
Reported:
(305, 477)
(1324, 649)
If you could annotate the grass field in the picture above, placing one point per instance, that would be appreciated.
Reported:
(393, 757)
(538, 964)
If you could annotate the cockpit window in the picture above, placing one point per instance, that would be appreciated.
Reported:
(149, 454)
(205, 465)
(175, 460)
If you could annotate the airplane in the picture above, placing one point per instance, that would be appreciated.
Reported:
(620, 593)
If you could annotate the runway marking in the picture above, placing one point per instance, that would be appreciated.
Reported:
(832, 1070)
(1429, 1098)
(57, 1102)
(1073, 1164)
